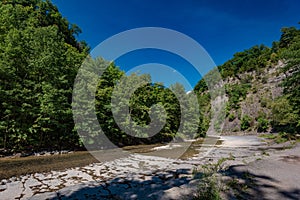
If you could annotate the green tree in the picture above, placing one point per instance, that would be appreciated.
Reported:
(284, 117)
(287, 37)
(39, 61)
(291, 40)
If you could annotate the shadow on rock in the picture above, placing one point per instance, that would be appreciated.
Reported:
(246, 184)
(136, 186)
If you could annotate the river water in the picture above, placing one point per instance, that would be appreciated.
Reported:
(182, 150)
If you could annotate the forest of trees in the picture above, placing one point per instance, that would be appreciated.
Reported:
(40, 57)
(180, 120)
(39, 60)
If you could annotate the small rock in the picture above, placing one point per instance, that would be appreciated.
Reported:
(18, 155)
(147, 173)
(12, 179)
(2, 187)
(168, 176)
(133, 196)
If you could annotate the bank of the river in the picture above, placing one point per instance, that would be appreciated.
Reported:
(137, 176)
(15, 166)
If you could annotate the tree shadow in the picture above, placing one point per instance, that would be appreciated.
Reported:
(243, 184)
(145, 187)
(240, 183)
(293, 194)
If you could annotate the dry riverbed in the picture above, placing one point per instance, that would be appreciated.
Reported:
(143, 174)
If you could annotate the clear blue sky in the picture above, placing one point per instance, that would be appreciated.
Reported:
(221, 27)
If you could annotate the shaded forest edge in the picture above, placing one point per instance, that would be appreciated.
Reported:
(40, 58)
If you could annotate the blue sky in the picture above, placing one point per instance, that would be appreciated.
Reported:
(222, 27)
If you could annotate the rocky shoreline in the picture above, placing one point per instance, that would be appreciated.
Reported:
(134, 177)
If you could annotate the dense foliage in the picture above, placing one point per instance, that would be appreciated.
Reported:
(290, 41)
(40, 58)
(139, 105)
(38, 62)
(255, 58)
(143, 109)
(236, 93)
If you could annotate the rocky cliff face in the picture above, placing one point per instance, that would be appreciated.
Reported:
(264, 87)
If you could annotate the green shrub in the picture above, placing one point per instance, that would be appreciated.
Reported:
(263, 124)
(282, 137)
(268, 136)
(210, 186)
(278, 138)
(208, 190)
(231, 117)
(245, 122)
(236, 93)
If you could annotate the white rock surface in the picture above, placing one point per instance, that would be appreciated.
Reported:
(133, 177)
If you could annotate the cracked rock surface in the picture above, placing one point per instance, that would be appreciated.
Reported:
(134, 177)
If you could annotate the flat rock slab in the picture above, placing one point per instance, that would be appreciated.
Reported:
(151, 177)
(274, 177)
